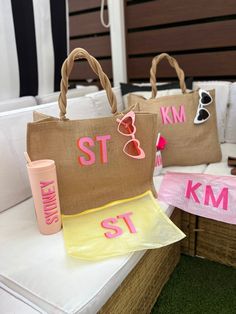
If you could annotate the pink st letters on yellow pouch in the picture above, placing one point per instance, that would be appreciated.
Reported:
(118, 228)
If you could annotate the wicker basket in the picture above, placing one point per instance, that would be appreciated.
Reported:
(216, 241)
(188, 226)
(139, 291)
(208, 238)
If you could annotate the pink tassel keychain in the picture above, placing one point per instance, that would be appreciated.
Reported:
(160, 145)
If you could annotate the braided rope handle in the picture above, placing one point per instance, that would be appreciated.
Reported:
(67, 66)
(172, 61)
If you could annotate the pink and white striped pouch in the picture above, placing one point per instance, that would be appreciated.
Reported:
(204, 195)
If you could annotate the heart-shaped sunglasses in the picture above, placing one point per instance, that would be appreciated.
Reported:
(203, 114)
(126, 127)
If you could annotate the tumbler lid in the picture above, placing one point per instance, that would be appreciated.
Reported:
(41, 165)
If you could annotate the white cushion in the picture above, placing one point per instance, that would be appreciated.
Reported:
(230, 133)
(168, 88)
(36, 267)
(222, 168)
(10, 302)
(228, 149)
(17, 103)
(72, 93)
(219, 168)
(222, 98)
(77, 108)
(188, 169)
(147, 95)
(101, 102)
(14, 184)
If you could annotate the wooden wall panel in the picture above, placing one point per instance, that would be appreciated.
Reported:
(87, 24)
(81, 5)
(86, 31)
(199, 64)
(97, 46)
(82, 71)
(161, 12)
(200, 36)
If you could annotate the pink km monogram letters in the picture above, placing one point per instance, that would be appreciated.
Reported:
(170, 115)
(208, 196)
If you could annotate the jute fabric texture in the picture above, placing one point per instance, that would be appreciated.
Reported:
(92, 168)
(188, 143)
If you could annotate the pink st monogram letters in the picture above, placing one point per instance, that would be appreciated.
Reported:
(170, 115)
(84, 144)
(109, 224)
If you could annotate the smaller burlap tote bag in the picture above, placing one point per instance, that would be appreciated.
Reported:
(187, 121)
(92, 167)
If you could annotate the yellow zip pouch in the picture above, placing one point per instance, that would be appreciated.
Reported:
(118, 228)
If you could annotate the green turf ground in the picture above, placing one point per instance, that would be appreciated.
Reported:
(198, 286)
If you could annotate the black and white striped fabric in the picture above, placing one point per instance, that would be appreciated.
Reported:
(33, 45)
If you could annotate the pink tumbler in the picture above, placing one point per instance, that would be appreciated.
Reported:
(43, 181)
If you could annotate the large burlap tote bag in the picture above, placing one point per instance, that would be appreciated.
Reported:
(187, 121)
(92, 167)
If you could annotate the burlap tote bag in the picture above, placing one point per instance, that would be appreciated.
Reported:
(92, 167)
(187, 121)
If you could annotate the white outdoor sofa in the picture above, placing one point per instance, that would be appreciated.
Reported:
(36, 275)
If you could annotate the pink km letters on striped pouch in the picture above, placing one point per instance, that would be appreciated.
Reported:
(204, 195)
